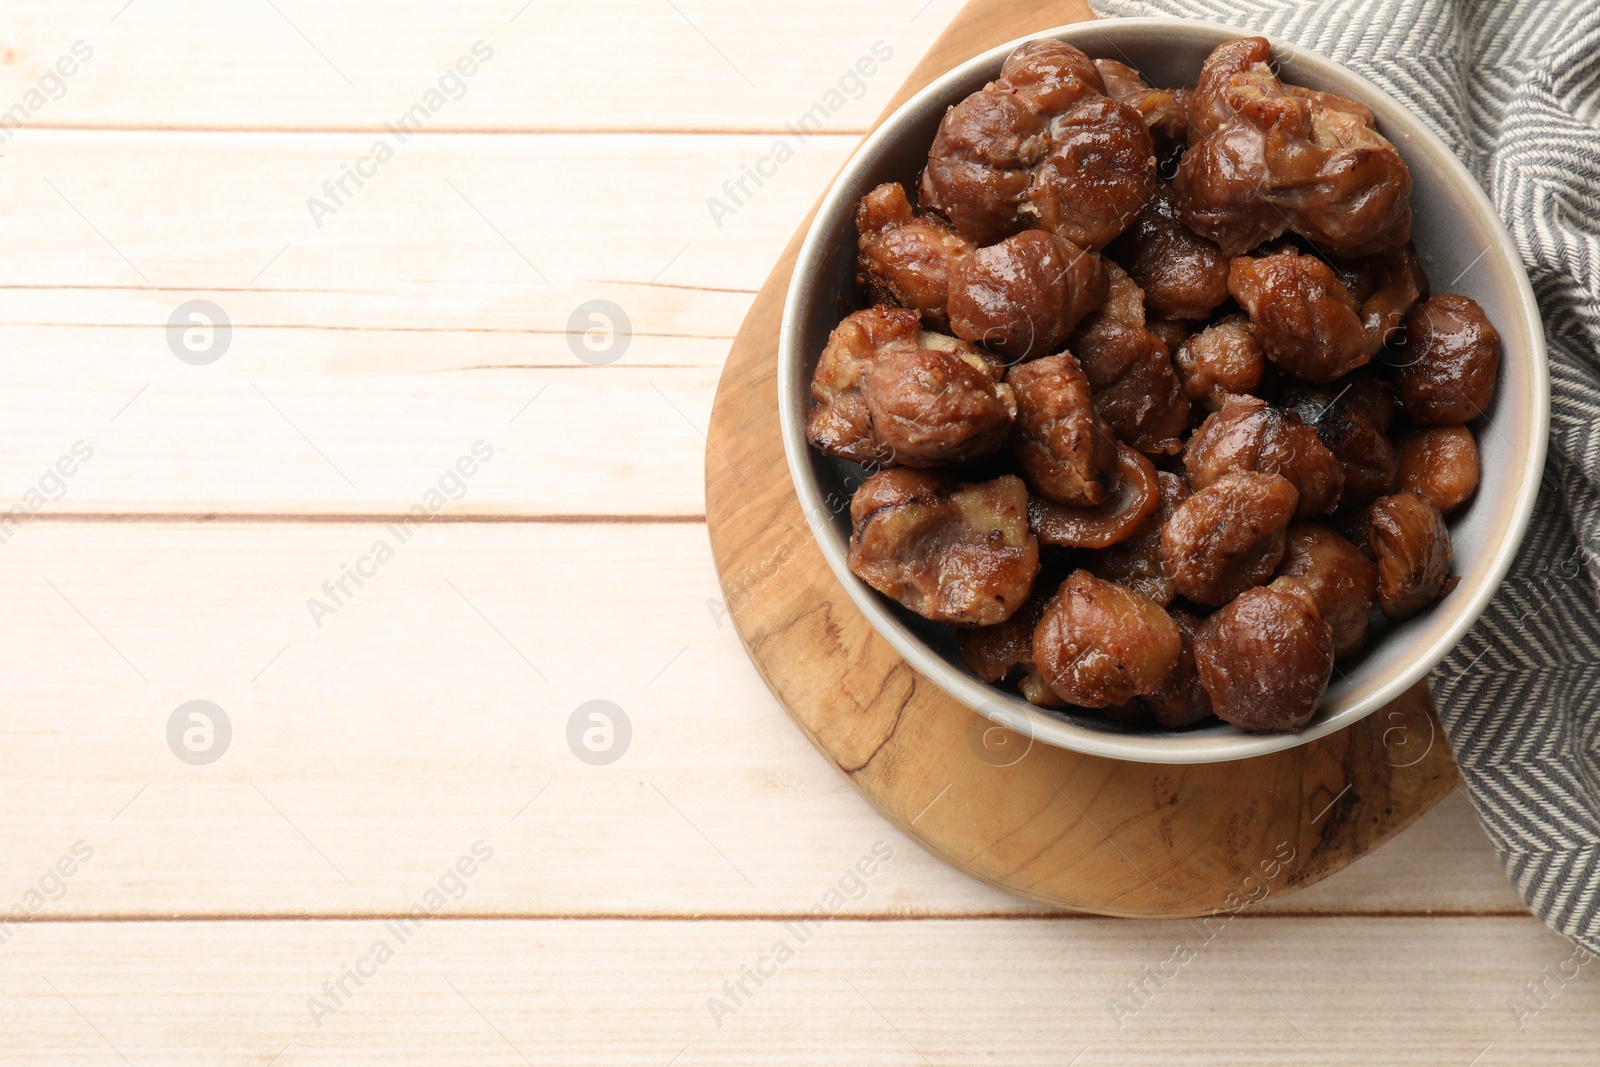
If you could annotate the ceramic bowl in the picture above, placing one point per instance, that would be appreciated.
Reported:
(1464, 248)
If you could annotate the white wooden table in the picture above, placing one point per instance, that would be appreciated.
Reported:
(415, 726)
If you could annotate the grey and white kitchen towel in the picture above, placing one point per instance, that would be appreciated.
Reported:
(1513, 86)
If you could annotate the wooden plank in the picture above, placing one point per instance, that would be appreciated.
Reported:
(523, 217)
(1271, 992)
(366, 751)
(404, 330)
(699, 64)
(240, 439)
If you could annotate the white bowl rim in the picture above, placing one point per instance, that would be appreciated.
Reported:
(1152, 747)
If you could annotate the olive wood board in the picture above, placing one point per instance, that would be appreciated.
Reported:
(1082, 832)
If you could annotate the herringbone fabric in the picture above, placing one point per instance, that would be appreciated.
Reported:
(1513, 86)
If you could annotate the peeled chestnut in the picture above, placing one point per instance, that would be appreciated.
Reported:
(1100, 644)
(1228, 536)
(1248, 434)
(1304, 317)
(1119, 517)
(905, 258)
(1183, 275)
(1223, 358)
(947, 551)
(1265, 659)
(1098, 172)
(1412, 546)
(1441, 463)
(981, 165)
(1342, 580)
(1446, 369)
(1064, 447)
(1022, 297)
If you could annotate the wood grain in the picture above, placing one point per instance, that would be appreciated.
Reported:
(1257, 992)
(401, 330)
(405, 724)
(643, 66)
(1181, 840)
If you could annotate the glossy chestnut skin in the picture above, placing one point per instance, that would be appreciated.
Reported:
(1364, 453)
(1248, 434)
(1412, 546)
(1305, 319)
(1228, 536)
(980, 165)
(1265, 659)
(1165, 111)
(1441, 463)
(1265, 158)
(1223, 358)
(1136, 561)
(1446, 370)
(1224, 179)
(1065, 449)
(906, 259)
(1387, 286)
(932, 406)
(1173, 332)
(1049, 76)
(1100, 644)
(1183, 275)
(886, 392)
(1020, 298)
(1099, 171)
(949, 552)
(1181, 700)
(997, 653)
(1342, 580)
(1135, 387)
(839, 423)
(1135, 498)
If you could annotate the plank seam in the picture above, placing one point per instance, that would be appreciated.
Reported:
(361, 518)
(798, 916)
(452, 131)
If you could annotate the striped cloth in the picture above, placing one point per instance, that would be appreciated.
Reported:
(1513, 86)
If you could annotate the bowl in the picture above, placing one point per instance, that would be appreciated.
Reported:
(1462, 245)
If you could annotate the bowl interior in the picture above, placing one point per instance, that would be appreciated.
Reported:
(1462, 245)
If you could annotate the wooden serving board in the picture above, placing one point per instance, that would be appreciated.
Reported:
(1083, 832)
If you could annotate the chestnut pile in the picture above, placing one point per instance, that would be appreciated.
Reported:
(1155, 402)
